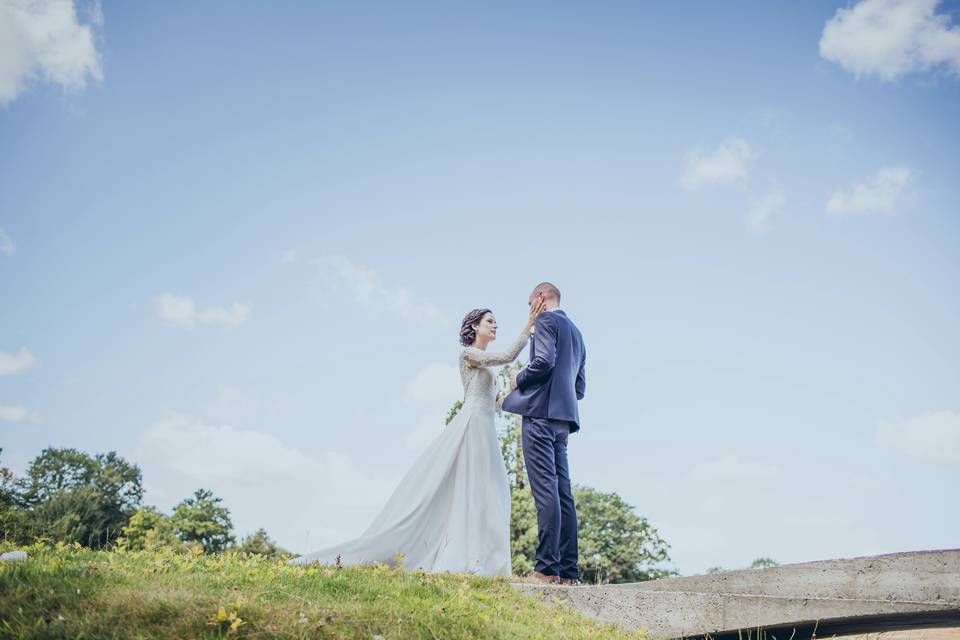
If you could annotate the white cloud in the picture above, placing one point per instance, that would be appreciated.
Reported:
(210, 452)
(14, 363)
(761, 209)
(724, 165)
(15, 413)
(44, 39)
(731, 467)
(931, 437)
(890, 38)
(264, 481)
(886, 192)
(181, 311)
(367, 288)
(6, 244)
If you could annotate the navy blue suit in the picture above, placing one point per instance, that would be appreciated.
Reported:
(547, 394)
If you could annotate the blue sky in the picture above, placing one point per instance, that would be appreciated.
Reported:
(235, 247)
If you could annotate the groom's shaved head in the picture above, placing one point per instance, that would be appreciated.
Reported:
(548, 290)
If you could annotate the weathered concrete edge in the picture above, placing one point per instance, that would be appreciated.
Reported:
(912, 575)
(920, 585)
(811, 629)
(693, 614)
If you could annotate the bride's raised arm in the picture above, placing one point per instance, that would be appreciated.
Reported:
(479, 358)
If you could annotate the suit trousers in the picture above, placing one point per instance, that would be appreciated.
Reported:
(545, 456)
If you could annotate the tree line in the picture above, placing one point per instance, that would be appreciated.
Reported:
(70, 496)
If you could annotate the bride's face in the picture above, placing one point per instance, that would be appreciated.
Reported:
(487, 329)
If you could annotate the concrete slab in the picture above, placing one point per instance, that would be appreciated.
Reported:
(875, 593)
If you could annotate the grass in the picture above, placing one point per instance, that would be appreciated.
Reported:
(71, 592)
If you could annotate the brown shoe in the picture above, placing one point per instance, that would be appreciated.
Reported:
(542, 577)
(570, 582)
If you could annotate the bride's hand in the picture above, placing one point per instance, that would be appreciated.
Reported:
(535, 310)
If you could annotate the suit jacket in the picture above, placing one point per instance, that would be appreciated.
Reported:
(555, 379)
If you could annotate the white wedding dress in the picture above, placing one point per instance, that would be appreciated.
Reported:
(451, 511)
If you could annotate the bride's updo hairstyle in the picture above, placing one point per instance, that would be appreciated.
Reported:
(467, 332)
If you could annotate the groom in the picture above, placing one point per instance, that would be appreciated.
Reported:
(545, 393)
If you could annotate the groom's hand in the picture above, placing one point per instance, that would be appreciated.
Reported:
(513, 381)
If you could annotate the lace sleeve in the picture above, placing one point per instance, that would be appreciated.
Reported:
(480, 358)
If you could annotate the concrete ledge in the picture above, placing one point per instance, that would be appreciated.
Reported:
(896, 591)
(914, 575)
(812, 629)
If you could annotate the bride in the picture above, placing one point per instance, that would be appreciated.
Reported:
(451, 511)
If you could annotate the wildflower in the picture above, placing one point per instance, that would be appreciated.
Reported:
(232, 620)
(235, 624)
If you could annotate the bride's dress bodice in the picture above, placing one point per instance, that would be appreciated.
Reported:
(479, 382)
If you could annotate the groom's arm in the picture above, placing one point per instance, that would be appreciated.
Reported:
(544, 353)
(582, 375)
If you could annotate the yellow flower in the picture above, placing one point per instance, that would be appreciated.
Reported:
(235, 625)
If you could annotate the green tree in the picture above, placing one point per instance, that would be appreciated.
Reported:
(523, 530)
(523, 510)
(13, 521)
(509, 431)
(259, 543)
(6, 486)
(764, 563)
(149, 529)
(454, 410)
(200, 518)
(71, 496)
(616, 545)
(759, 563)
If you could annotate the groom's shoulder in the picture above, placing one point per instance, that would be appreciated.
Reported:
(565, 318)
(560, 316)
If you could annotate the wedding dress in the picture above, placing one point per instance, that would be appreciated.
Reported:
(451, 511)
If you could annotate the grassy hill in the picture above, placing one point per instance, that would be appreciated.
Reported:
(69, 592)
